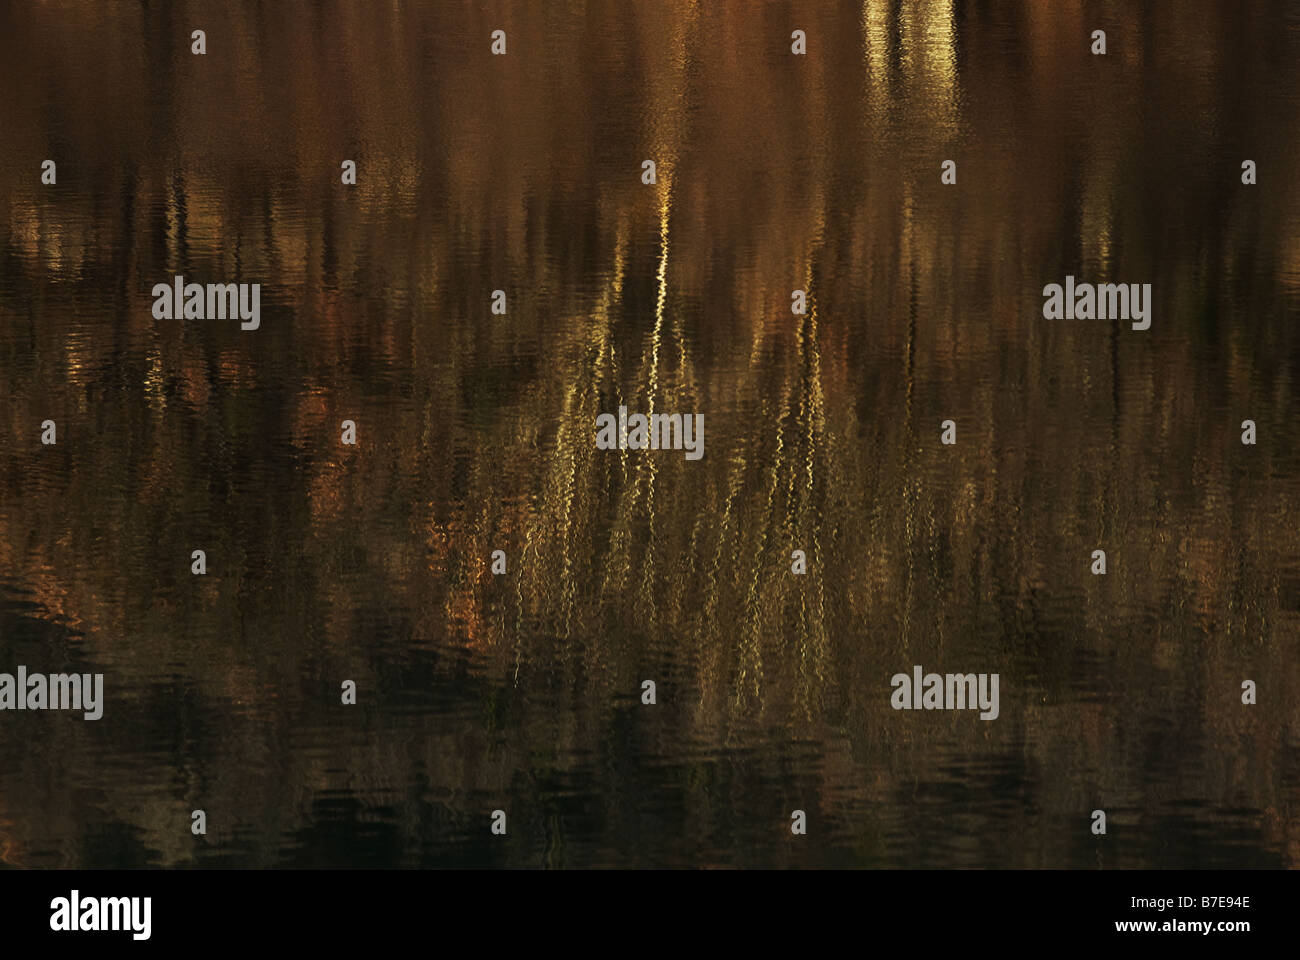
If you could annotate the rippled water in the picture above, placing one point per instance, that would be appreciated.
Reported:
(775, 172)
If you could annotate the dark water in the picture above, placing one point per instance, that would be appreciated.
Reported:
(475, 433)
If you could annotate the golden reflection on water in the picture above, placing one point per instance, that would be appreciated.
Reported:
(774, 173)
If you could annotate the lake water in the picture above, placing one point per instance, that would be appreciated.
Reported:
(475, 432)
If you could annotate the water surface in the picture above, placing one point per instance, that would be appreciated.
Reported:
(522, 692)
